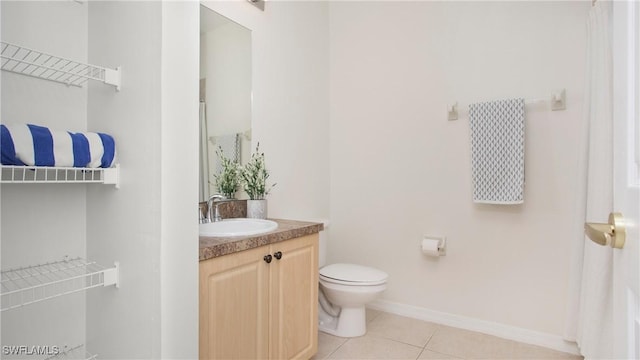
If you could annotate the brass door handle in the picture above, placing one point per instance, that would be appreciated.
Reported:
(612, 234)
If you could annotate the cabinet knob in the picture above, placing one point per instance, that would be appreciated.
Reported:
(278, 255)
(267, 258)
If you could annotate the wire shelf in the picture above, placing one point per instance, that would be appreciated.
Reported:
(25, 61)
(76, 353)
(58, 175)
(32, 284)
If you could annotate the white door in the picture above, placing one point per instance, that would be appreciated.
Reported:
(626, 165)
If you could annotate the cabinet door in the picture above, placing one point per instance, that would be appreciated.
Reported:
(294, 299)
(234, 306)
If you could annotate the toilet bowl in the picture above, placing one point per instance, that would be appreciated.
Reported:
(344, 291)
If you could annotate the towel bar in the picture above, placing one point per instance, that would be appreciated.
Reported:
(557, 101)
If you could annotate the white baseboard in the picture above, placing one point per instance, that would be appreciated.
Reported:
(486, 327)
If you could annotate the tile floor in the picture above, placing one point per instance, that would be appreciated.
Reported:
(395, 337)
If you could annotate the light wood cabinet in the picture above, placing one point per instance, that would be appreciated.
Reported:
(252, 309)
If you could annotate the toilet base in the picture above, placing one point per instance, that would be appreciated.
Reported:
(351, 322)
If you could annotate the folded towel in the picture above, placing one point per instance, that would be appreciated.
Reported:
(497, 151)
(34, 145)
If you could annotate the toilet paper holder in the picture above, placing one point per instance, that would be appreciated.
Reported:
(434, 245)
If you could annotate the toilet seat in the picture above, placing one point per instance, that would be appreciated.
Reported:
(354, 275)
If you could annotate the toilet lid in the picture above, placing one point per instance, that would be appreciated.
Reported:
(352, 273)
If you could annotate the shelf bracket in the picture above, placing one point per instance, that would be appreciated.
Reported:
(113, 77)
(112, 176)
(112, 275)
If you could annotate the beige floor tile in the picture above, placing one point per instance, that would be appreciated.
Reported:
(432, 355)
(473, 345)
(527, 351)
(403, 329)
(372, 314)
(327, 344)
(373, 347)
(456, 342)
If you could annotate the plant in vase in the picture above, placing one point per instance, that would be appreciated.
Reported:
(228, 180)
(254, 175)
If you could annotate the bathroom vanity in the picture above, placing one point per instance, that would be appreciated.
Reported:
(259, 294)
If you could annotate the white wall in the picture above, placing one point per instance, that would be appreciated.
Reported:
(44, 223)
(149, 224)
(125, 225)
(290, 100)
(179, 190)
(399, 169)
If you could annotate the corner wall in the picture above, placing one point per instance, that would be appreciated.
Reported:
(400, 170)
(125, 225)
(179, 175)
(43, 223)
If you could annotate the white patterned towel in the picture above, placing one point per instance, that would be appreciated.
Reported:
(497, 151)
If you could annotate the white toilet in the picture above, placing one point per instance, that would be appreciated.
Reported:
(344, 290)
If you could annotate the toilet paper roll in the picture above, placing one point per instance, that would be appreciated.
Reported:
(430, 247)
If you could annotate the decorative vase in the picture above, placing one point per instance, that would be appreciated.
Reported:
(257, 209)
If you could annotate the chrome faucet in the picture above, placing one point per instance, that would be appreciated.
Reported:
(213, 214)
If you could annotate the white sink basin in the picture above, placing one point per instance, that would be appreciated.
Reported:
(237, 227)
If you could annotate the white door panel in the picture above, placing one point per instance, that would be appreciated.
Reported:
(626, 165)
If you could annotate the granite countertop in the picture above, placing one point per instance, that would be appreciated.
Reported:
(211, 247)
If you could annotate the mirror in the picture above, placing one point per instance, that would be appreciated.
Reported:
(225, 94)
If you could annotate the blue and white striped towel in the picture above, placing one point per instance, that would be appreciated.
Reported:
(35, 145)
(497, 151)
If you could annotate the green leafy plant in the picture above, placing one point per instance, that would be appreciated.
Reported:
(254, 175)
(228, 181)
